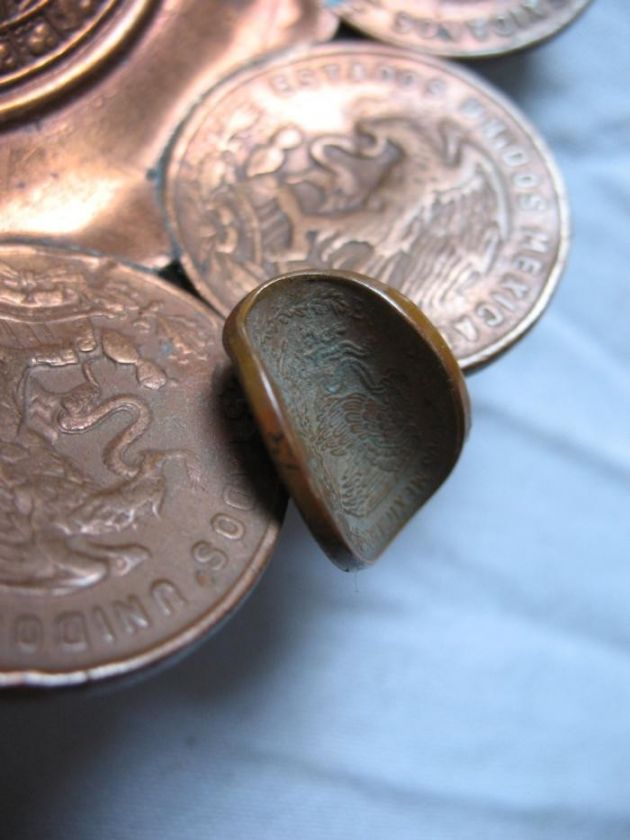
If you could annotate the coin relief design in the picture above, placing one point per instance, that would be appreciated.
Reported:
(371, 407)
(370, 159)
(460, 28)
(46, 44)
(128, 520)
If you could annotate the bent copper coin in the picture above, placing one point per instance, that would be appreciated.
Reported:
(460, 28)
(137, 505)
(362, 405)
(365, 157)
(48, 45)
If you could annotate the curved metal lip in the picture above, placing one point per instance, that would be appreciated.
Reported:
(211, 621)
(267, 405)
(175, 153)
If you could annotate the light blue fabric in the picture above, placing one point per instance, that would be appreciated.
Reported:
(474, 685)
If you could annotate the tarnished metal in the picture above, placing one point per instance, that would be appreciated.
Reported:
(137, 505)
(460, 28)
(366, 157)
(361, 404)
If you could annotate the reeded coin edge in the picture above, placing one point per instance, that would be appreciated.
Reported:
(233, 598)
(175, 153)
(285, 448)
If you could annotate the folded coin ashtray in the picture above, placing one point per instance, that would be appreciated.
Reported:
(360, 402)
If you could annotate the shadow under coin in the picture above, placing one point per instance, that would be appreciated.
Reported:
(50, 741)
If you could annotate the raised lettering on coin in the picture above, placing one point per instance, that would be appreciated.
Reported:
(363, 157)
(115, 454)
(460, 28)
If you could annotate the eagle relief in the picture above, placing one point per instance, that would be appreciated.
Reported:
(413, 202)
(76, 475)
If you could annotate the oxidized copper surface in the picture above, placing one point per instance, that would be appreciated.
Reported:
(85, 172)
(361, 404)
(47, 45)
(366, 157)
(460, 28)
(137, 505)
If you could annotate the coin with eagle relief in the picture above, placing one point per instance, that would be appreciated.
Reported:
(137, 506)
(368, 158)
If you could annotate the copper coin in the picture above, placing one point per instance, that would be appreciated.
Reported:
(137, 505)
(87, 175)
(47, 45)
(362, 405)
(460, 28)
(366, 157)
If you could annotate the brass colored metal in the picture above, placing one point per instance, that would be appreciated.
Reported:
(46, 46)
(85, 173)
(460, 28)
(137, 504)
(361, 404)
(367, 157)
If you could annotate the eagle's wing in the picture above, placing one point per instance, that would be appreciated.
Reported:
(457, 240)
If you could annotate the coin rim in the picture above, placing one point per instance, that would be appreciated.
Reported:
(78, 63)
(462, 54)
(267, 404)
(210, 621)
(175, 153)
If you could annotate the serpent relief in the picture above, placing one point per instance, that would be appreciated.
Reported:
(137, 506)
(60, 528)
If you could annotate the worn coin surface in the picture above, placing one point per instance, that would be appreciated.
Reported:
(370, 158)
(361, 404)
(47, 45)
(137, 505)
(460, 28)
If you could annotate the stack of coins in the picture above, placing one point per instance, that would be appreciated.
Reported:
(419, 227)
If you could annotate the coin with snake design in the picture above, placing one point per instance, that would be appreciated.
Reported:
(137, 507)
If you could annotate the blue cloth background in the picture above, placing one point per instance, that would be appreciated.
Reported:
(475, 685)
